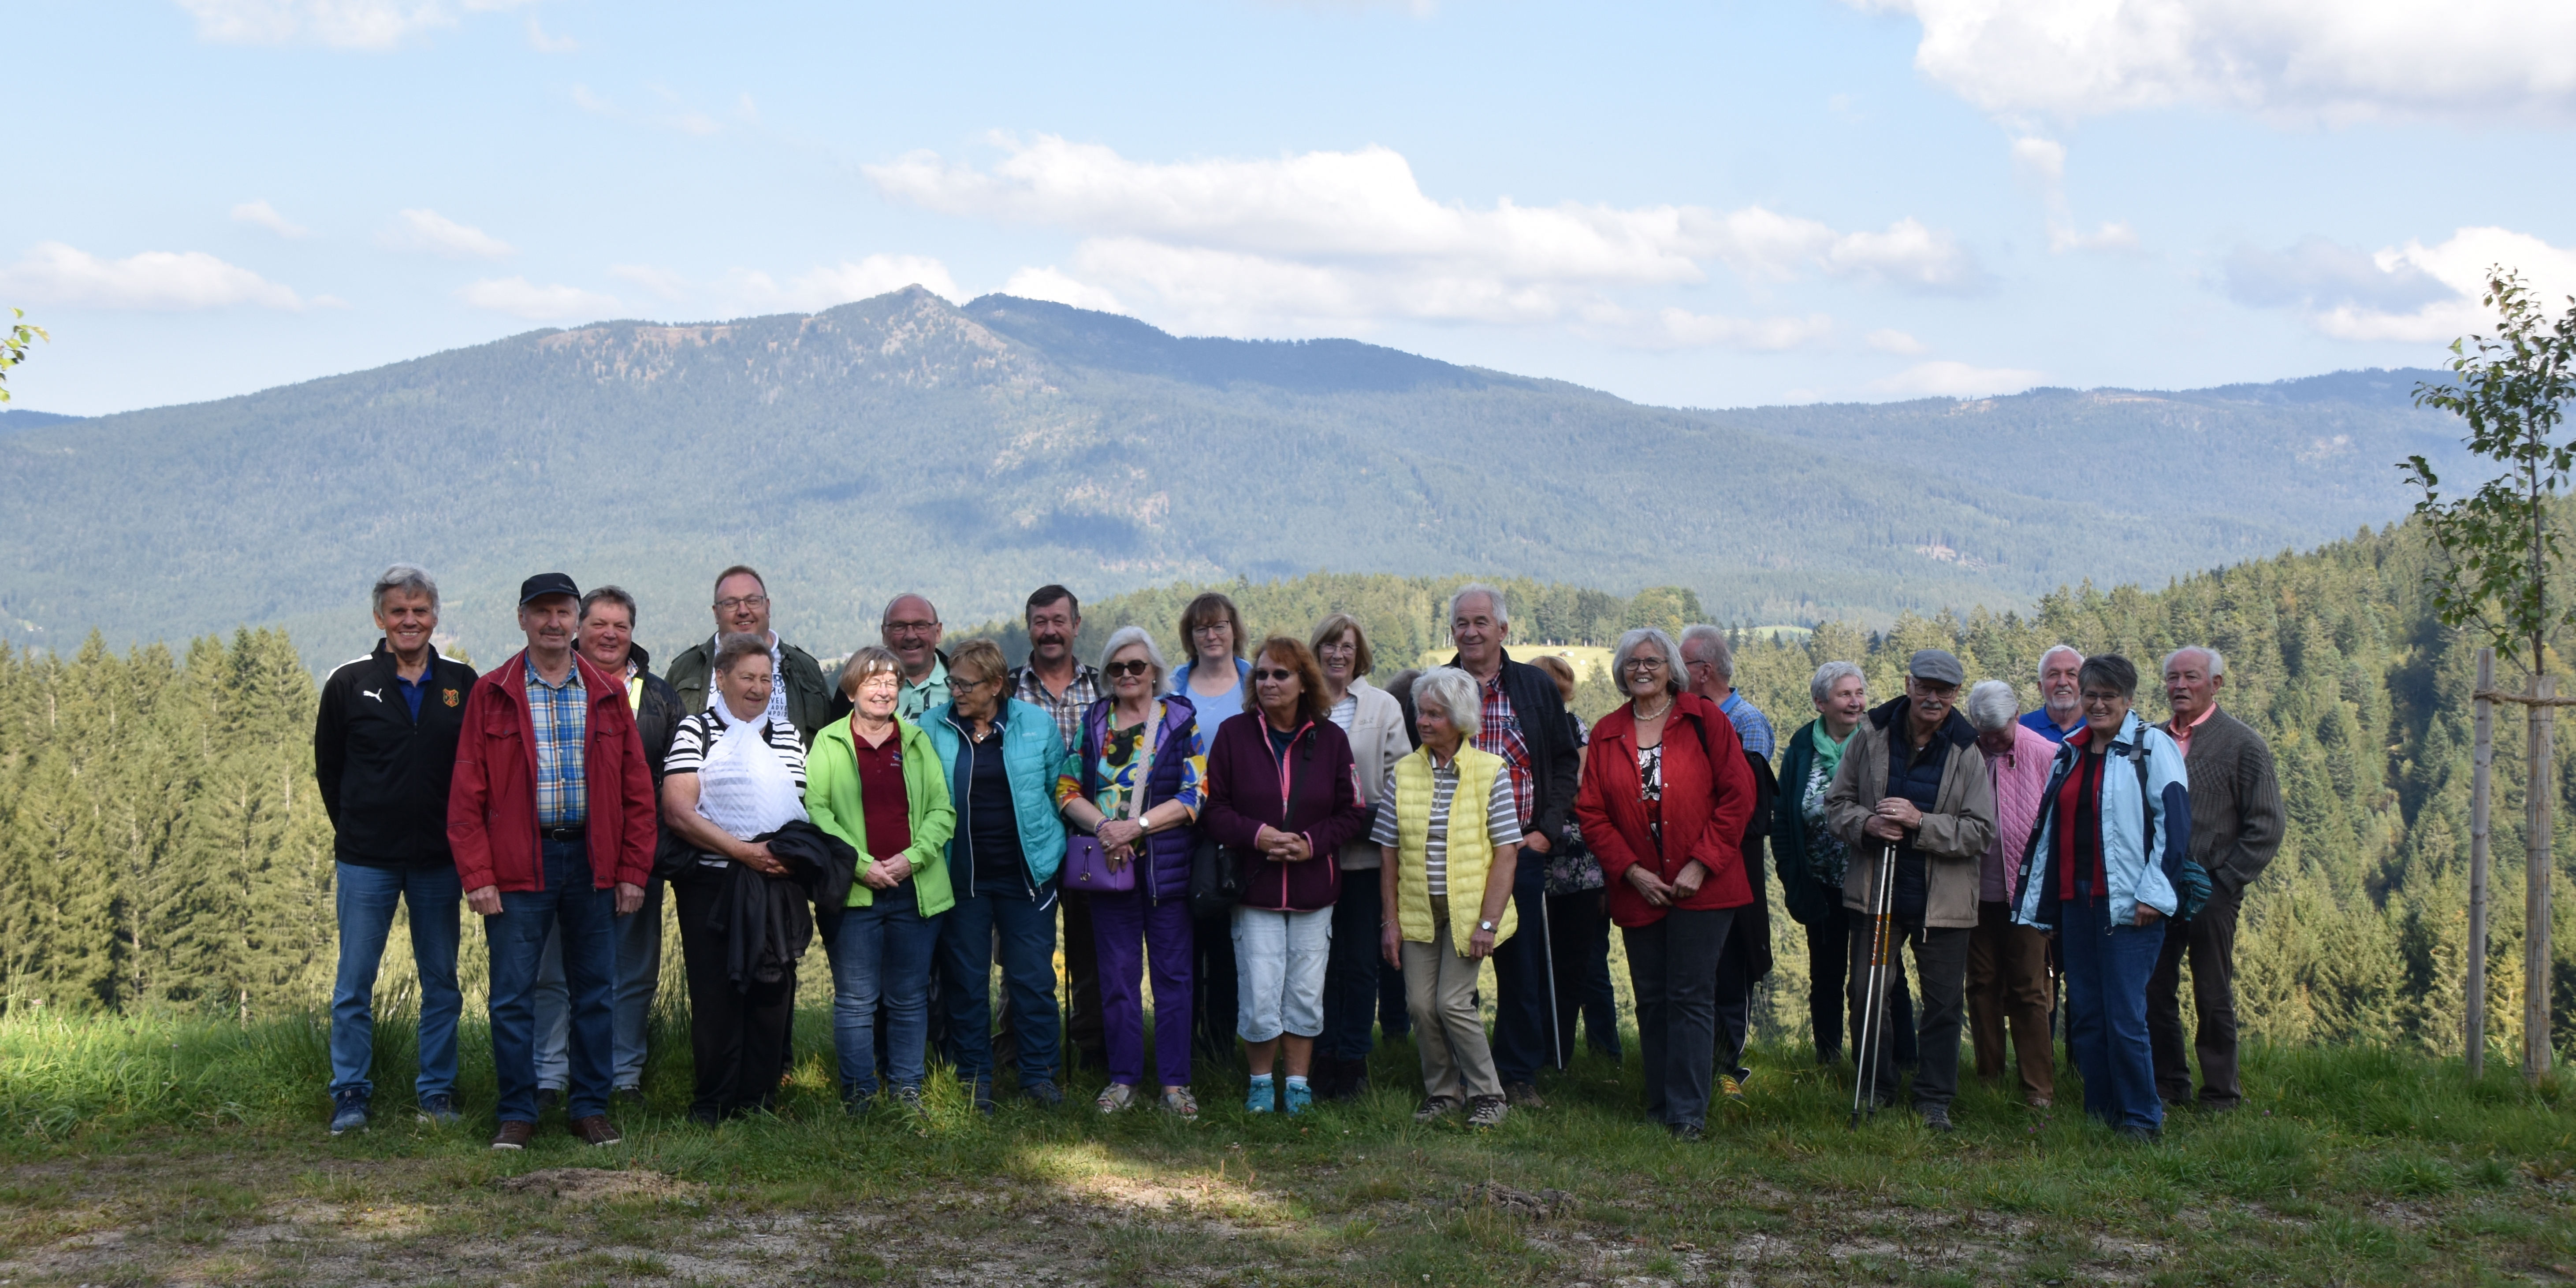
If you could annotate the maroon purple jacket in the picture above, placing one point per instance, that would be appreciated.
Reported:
(1311, 791)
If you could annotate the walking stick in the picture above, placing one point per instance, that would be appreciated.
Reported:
(1555, 1017)
(1873, 1009)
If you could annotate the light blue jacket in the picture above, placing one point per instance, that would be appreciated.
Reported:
(2134, 829)
(1032, 753)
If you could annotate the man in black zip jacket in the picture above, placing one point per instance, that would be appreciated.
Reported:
(384, 746)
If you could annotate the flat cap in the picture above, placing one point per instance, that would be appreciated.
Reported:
(1937, 665)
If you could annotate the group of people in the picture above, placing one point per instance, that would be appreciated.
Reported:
(1298, 858)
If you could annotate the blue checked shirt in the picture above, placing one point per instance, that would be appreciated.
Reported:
(561, 714)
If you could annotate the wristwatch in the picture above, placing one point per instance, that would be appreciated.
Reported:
(1485, 925)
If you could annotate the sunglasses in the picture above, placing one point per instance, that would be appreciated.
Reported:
(1274, 675)
(1133, 666)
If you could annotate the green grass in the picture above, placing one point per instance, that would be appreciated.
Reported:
(145, 1150)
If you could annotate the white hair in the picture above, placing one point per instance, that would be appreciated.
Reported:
(1644, 637)
(1992, 705)
(2217, 663)
(1831, 674)
(2054, 650)
(1125, 635)
(410, 577)
(1710, 643)
(1455, 693)
(1494, 600)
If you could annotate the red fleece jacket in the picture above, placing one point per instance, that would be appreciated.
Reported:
(1704, 808)
(492, 800)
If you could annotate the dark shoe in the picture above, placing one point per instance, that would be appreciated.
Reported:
(548, 1098)
(1487, 1111)
(1435, 1109)
(702, 1118)
(2143, 1135)
(595, 1129)
(631, 1097)
(1522, 1095)
(1688, 1133)
(1042, 1093)
(1825, 1057)
(513, 1135)
(440, 1111)
(909, 1100)
(1937, 1118)
(984, 1096)
(348, 1111)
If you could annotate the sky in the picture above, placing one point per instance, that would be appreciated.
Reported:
(1707, 204)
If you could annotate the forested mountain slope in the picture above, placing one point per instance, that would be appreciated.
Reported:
(160, 842)
(903, 442)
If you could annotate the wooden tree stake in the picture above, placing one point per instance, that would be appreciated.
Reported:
(2483, 760)
(2539, 791)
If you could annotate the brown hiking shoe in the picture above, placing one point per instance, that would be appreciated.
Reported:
(596, 1130)
(513, 1135)
(1522, 1095)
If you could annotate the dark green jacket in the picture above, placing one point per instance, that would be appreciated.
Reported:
(809, 699)
(1808, 899)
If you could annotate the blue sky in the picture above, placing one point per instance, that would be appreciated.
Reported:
(1712, 204)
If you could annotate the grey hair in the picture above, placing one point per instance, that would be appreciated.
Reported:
(1712, 643)
(1831, 674)
(1637, 639)
(2054, 650)
(613, 594)
(1992, 705)
(2217, 661)
(1125, 635)
(734, 648)
(888, 611)
(409, 577)
(1494, 598)
(1454, 692)
(871, 659)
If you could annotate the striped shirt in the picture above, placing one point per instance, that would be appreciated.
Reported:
(561, 715)
(1502, 820)
(1498, 733)
(1067, 710)
(699, 733)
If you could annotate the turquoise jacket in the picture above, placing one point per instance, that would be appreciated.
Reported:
(1032, 754)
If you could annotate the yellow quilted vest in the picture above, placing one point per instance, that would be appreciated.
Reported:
(1470, 854)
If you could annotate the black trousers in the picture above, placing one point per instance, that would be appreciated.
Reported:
(2210, 939)
(1941, 960)
(1828, 960)
(1216, 1001)
(737, 1038)
(1086, 1033)
(1580, 925)
(1673, 964)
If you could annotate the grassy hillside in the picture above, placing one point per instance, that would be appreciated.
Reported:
(905, 443)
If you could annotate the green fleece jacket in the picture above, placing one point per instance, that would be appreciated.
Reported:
(832, 798)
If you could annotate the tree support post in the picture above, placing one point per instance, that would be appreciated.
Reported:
(2474, 1035)
(2540, 789)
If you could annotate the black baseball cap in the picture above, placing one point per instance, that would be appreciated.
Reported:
(544, 584)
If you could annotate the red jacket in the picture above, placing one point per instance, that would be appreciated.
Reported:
(492, 800)
(1704, 813)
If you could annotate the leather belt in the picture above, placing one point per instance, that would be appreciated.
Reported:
(561, 833)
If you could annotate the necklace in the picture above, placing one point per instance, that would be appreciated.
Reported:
(1640, 712)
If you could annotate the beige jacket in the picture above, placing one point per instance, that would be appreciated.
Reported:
(1955, 831)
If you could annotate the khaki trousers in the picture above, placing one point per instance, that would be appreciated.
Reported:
(2008, 987)
(1440, 992)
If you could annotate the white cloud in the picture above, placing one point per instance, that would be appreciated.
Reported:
(343, 24)
(2112, 237)
(266, 216)
(1956, 380)
(1050, 283)
(1890, 340)
(519, 297)
(2413, 293)
(2294, 62)
(1350, 236)
(1681, 328)
(53, 273)
(436, 234)
(545, 44)
(660, 281)
(2039, 164)
(827, 285)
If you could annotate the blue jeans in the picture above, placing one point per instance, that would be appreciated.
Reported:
(881, 957)
(583, 915)
(1523, 966)
(966, 934)
(2107, 968)
(367, 897)
(639, 976)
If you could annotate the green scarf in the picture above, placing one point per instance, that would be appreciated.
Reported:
(1829, 753)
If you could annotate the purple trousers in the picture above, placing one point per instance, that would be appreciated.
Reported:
(1128, 928)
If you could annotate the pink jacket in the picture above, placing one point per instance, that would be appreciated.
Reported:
(2021, 779)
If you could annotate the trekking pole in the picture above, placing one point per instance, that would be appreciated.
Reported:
(1873, 1006)
(1555, 1017)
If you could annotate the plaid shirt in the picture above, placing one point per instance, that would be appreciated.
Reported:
(1067, 710)
(1499, 734)
(561, 714)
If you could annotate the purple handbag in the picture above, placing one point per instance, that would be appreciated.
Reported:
(1087, 869)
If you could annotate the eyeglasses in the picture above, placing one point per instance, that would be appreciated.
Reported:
(740, 601)
(1275, 674)
(2097, 698)
(1132, 666)
(903, 628)
(1645, 664)
(1211, 628)
(959, 683)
